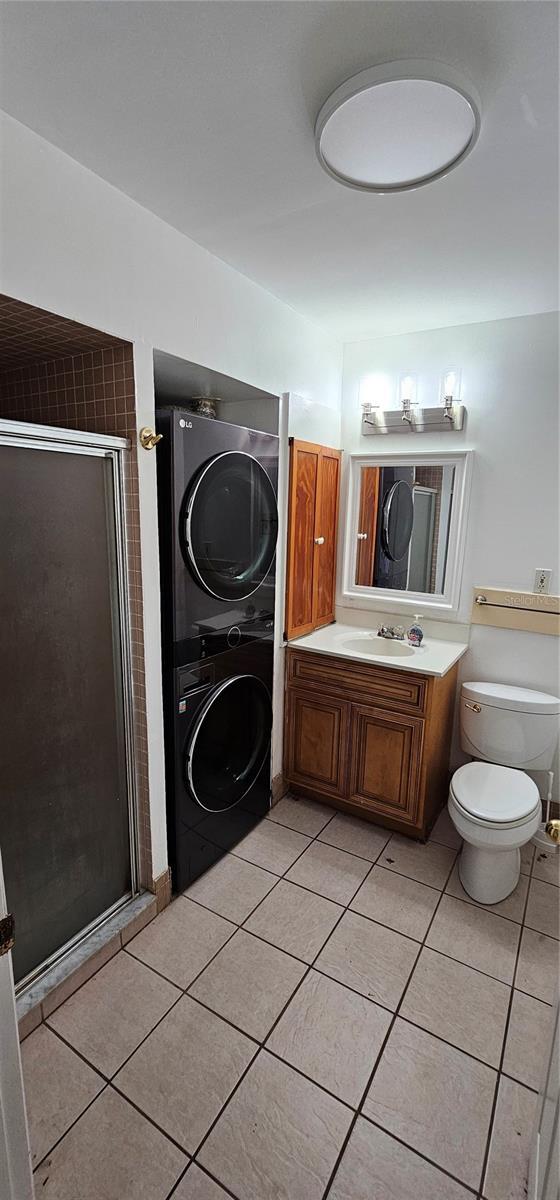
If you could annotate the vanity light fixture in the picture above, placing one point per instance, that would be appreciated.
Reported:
(397, 126)
(451, 386)
(375, 394)
(376, 418)
(407, 393)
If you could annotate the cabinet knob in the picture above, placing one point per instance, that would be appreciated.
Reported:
(362, 537)
(319, 541)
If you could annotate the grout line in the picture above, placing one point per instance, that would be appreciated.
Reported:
(502, 1056)
(382, 1049)
(204, 1171)
(413, 1150)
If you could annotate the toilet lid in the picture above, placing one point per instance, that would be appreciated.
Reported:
(494, 793)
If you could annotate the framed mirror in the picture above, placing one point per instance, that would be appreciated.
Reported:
(405, 529)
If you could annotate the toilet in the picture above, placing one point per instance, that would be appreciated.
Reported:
(495, 807)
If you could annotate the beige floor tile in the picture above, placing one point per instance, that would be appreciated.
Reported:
(111, 1014)
(459, 1005)
(197, 1185)
(112, 1151)
(181, 941)
(546, 866)
(332, 1035)
(376, 1167)
(232, 888)
(184, 1072)
(397, 901)
(58, 1087)
(512, 907)
(356, 836)
(538, 966)
(543, 908)
(434, 1098)
(475, 937)
(74, 969)
(508, 1161)
(279, 1136)
(272, 846)
(529, 1033)
(445, 832)
(369, 958)
(527, 857)
(305, 816)
(294, 920)
(248, 983)
(429, 863)
(330, 872)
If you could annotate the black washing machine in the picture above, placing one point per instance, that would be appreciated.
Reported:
(219, 720)
(218, 522)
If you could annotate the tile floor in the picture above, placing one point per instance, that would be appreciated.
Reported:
(325, 1013)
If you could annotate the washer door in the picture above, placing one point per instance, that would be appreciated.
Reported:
(229, 526)
(228, 743)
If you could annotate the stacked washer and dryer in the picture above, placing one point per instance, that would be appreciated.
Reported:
(218, 524)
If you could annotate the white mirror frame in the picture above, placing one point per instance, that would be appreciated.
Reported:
(442, 604)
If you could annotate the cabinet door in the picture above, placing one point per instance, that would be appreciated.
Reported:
(386, 762)
(317, 742)
(304, 470)
(325, 537)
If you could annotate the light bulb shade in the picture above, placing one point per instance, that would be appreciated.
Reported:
(375, 391)
(407, 388)
(451, 384)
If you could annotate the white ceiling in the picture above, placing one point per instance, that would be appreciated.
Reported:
(204, 114)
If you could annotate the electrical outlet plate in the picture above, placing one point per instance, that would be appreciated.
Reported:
(542, 581)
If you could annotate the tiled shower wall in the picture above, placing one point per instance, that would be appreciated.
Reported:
(94, 391)
(432, 477)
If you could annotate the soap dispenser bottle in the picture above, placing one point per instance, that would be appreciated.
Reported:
(416, 633)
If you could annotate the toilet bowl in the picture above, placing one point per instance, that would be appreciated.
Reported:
(496, 810)
(493, 804)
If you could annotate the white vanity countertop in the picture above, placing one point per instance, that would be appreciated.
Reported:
(434, 657)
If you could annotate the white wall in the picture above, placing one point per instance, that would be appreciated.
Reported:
(74, 245)
(510, 388)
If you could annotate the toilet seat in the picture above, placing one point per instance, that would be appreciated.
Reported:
(495, 796)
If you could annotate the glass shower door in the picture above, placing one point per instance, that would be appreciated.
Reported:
(65, 808)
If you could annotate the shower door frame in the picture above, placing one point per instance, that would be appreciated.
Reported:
(97, 445)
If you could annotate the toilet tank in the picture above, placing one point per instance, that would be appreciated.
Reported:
(513, 726)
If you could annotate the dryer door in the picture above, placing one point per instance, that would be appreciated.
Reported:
(228, 743)
(229, 526)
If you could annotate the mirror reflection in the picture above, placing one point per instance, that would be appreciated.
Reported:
(403, 527)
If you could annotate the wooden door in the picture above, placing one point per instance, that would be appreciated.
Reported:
(325, 537)
(304, 470)
(386, 758)
(367, 525)
(317, 741)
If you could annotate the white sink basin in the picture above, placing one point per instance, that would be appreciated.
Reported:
(377, 646)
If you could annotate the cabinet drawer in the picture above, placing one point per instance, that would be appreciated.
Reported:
(386, 759)
(383, 687)
(317, 741)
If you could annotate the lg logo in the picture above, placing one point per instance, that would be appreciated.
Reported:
(185, 424)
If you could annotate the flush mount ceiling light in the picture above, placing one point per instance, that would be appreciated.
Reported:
(397, 126)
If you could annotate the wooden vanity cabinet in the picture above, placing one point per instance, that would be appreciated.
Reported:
(369, 739)
(312, 536)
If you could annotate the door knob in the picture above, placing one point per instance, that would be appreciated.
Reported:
(319, 541)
